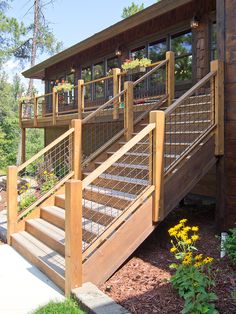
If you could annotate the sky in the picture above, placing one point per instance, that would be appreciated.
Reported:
(71, 20)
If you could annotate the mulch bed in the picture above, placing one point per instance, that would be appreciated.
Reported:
(142, 284)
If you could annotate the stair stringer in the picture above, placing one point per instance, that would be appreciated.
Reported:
(188, 173)
(112, 254)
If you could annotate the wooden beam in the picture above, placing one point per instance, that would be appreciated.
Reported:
(218, 91)
(128, 118)
(77, 148)
(158, 117)
(12, 202)
(116, 90)
(35, 110)
(80, 98)
(23, 145)
(73, 235)
(20, 113)
(54, 105)
(170, 76)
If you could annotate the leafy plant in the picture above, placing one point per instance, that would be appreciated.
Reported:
(49, 181)
(132, 64)
(27, 197)
(190, 278)
(64, 87)
(230, 245)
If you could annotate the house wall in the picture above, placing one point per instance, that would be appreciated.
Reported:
(226, 169)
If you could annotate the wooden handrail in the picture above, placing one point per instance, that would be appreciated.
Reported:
(189, 93)
(98, 80)
(150, 72)
(45, 149)
(117, 155)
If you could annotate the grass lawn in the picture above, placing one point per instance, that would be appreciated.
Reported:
(69, 306)
(2, 172)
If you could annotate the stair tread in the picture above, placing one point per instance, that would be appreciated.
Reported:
(57, 211)
(100, 208)
(37, 248)
(132, 154)
(121, 178)
(188, 122)
(125, 165)
(110, 192)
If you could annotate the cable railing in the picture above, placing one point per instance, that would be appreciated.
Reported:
(189, 119)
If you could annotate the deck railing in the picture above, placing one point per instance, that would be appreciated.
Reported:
(88, 96)
(29, 184)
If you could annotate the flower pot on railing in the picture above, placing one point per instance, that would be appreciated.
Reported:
(136, 66)
(139, 69)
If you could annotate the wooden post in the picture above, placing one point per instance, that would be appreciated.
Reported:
(80, 98)
(218, 91)
(128, 112)
(170, 76)
(116, 90)
(20, 113)
(12, 202)
(54, 106)
(158, 117)
(35, 110)
(77, 148)
(73, 235)
(23, 145)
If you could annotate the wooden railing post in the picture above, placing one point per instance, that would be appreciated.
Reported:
(35, 111)
(158, 117)
(116, 90)
(12, 202)
(73, 235)
(54, 106)
(170, 76)
(77, 148)
(23, 145)
(128, 111)
(80, 98)
(218, 90)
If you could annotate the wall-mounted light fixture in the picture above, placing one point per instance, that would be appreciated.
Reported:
(118, 52)
(72, 69)
(194, 22)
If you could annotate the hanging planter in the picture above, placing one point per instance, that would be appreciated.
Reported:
(136, 65)
(64, 87)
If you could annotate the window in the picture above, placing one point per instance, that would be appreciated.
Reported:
(181, 44)
(138, 53)
(98, 72)
(157, 50)
(213, 42)
(113, 63)
(86, 75)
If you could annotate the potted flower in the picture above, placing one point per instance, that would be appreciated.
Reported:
(64, 86)
(136, 65)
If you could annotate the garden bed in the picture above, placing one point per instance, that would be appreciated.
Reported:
(142, 284)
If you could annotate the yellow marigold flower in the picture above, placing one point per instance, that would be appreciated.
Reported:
(183, 221)
(189, 241)
(177, 227)
(45, 172)
(172, 232)
(195, 237)
(198, 257)
(186, 229)
(173, 249)
(208, 260)
(188, 255)
(186, 262)
(195, 229)
(51, 174)
(198, 264)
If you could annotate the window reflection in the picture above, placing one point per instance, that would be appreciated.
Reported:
(98, 72)
(138, 53)
(86, 75)
(157, 50)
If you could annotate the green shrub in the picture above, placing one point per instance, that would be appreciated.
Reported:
(230, 245)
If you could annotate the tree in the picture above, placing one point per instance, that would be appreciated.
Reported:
(131, 10)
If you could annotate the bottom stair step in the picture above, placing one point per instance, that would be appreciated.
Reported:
(47, 260)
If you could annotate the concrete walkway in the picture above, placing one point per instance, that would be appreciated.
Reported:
(23, 287)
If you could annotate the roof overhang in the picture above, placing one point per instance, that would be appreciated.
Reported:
(155, 10)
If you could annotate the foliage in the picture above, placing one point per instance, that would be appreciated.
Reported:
(230, 245)
(49, 181)
(27, 197)
(132, 64)
(69, 306)
(34, 141)
(65, 87)
(190, 278)
(131, 10)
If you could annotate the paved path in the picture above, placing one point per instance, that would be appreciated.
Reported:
(23, 287)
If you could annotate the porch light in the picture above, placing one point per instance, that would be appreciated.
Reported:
(118, 52)
(72, 69)
(194, 22)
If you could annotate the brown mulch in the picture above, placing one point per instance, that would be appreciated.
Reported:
(142, 284)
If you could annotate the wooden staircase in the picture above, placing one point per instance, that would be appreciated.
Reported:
(125, 191)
